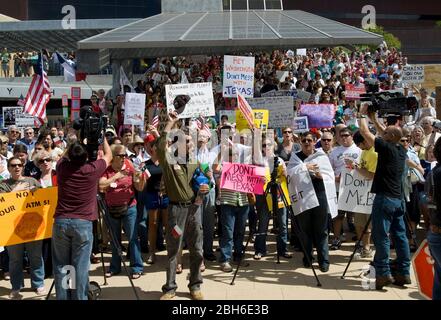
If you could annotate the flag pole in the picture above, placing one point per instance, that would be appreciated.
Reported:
(88, 85)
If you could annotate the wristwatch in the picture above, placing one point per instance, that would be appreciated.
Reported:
(363, 116)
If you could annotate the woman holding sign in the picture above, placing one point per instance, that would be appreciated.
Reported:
(18, 182)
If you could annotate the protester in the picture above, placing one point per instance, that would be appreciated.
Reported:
(288, 145)
(118, 183)
(434, 234)
(29, 139)
(184, 217)
(76, 209)
(313, 222)
(388, 207)
(18, 182)
(13, 136)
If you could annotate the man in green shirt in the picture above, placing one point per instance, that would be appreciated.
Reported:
(184, 216)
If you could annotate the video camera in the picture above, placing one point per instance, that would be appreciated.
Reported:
(387, 103)
(91, 126)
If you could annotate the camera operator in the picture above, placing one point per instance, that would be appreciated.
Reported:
(388, 207)
(75, 212)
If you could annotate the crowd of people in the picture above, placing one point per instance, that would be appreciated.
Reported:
(158, 188)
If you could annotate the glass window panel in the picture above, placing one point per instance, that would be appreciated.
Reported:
(239, 4)
(273, 4)
(256, 4)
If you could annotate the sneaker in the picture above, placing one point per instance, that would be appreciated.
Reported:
(226, 267)
(6, 276)
(196, 295)
(168, 296)
(401, 280)
(40, 291)
(367, 254)
(382, 281)
(336, 244)
(151, 259)
(324, 268)
(15, 295)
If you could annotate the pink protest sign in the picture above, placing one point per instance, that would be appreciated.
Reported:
(353, 91)
(242, 177)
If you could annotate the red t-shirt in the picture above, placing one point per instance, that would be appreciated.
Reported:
(77, 189)
(121, 192)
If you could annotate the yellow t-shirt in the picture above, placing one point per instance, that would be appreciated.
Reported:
(368, 160)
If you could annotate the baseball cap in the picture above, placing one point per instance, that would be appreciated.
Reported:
(111, 129)
(149, 138)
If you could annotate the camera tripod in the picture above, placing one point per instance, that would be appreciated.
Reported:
(275, 188)
(357, 245)
(103, 213)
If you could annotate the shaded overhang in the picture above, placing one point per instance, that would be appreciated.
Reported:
(50, 34)
(169, 34)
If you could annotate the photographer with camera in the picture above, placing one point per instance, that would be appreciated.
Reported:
(76, 210)
(388, 207)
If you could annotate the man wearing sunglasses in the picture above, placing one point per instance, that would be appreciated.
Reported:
(388, 207)
(29, 139)
(13, 136)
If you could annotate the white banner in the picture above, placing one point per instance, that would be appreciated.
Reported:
(300, 124)
(355, 192)
(281, 110)
(413, 74)
(301, 52)
(134, 109)
(201, 101)
(16, 116)
(298, 180)
(238, 75)
(281, 75)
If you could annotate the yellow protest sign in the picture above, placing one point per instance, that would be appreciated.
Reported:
(27, 216)
(283, 185)
(261, 118)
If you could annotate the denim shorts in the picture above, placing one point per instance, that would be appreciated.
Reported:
(152, 201)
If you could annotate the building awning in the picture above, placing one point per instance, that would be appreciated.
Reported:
(169, 34)
(50, 34)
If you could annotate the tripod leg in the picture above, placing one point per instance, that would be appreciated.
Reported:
(240, 260)
(50, 290)
(100, 244)
(116, 244)
(300, 235)
(357, 245)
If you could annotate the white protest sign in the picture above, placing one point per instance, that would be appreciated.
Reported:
(300, 124)
(238, 75)
(355, 192)
(16, 116)
(303, 95)
(301, 190)
(301, 52)
(281, 75)
(134, 109)
(201, 101)
(413, 74)
(281, 110)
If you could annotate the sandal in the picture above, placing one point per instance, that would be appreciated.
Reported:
(136, 275)
(110, 274)
(179, 268)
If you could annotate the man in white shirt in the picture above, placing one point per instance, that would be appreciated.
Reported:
(346, 150)
(4, 156)
(430, 136)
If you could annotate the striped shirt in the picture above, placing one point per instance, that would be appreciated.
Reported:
(233, 198)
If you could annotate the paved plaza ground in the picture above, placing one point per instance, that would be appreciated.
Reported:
(261, 280)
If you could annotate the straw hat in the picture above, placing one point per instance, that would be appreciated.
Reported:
(136, 140)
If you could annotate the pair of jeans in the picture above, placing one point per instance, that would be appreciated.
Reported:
(71, 248)
(313, 230)
(434, 240)
(4, 260)
(233, 221)
(208, 208)
(34, 252)
(188, 220)
(130, 228)
(388, 218)
(263, 213)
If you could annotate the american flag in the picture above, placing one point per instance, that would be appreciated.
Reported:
(155, 121)
(39, 93)
(245, 109)
(202, 125)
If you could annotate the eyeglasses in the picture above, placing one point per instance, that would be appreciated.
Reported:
(345, 135)
(404, 140)
(30, 132)
(307, 140)
(16, 165)
(38, 149)
(287, 131)
(13, 131)
(326, 140)
(44, 160)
